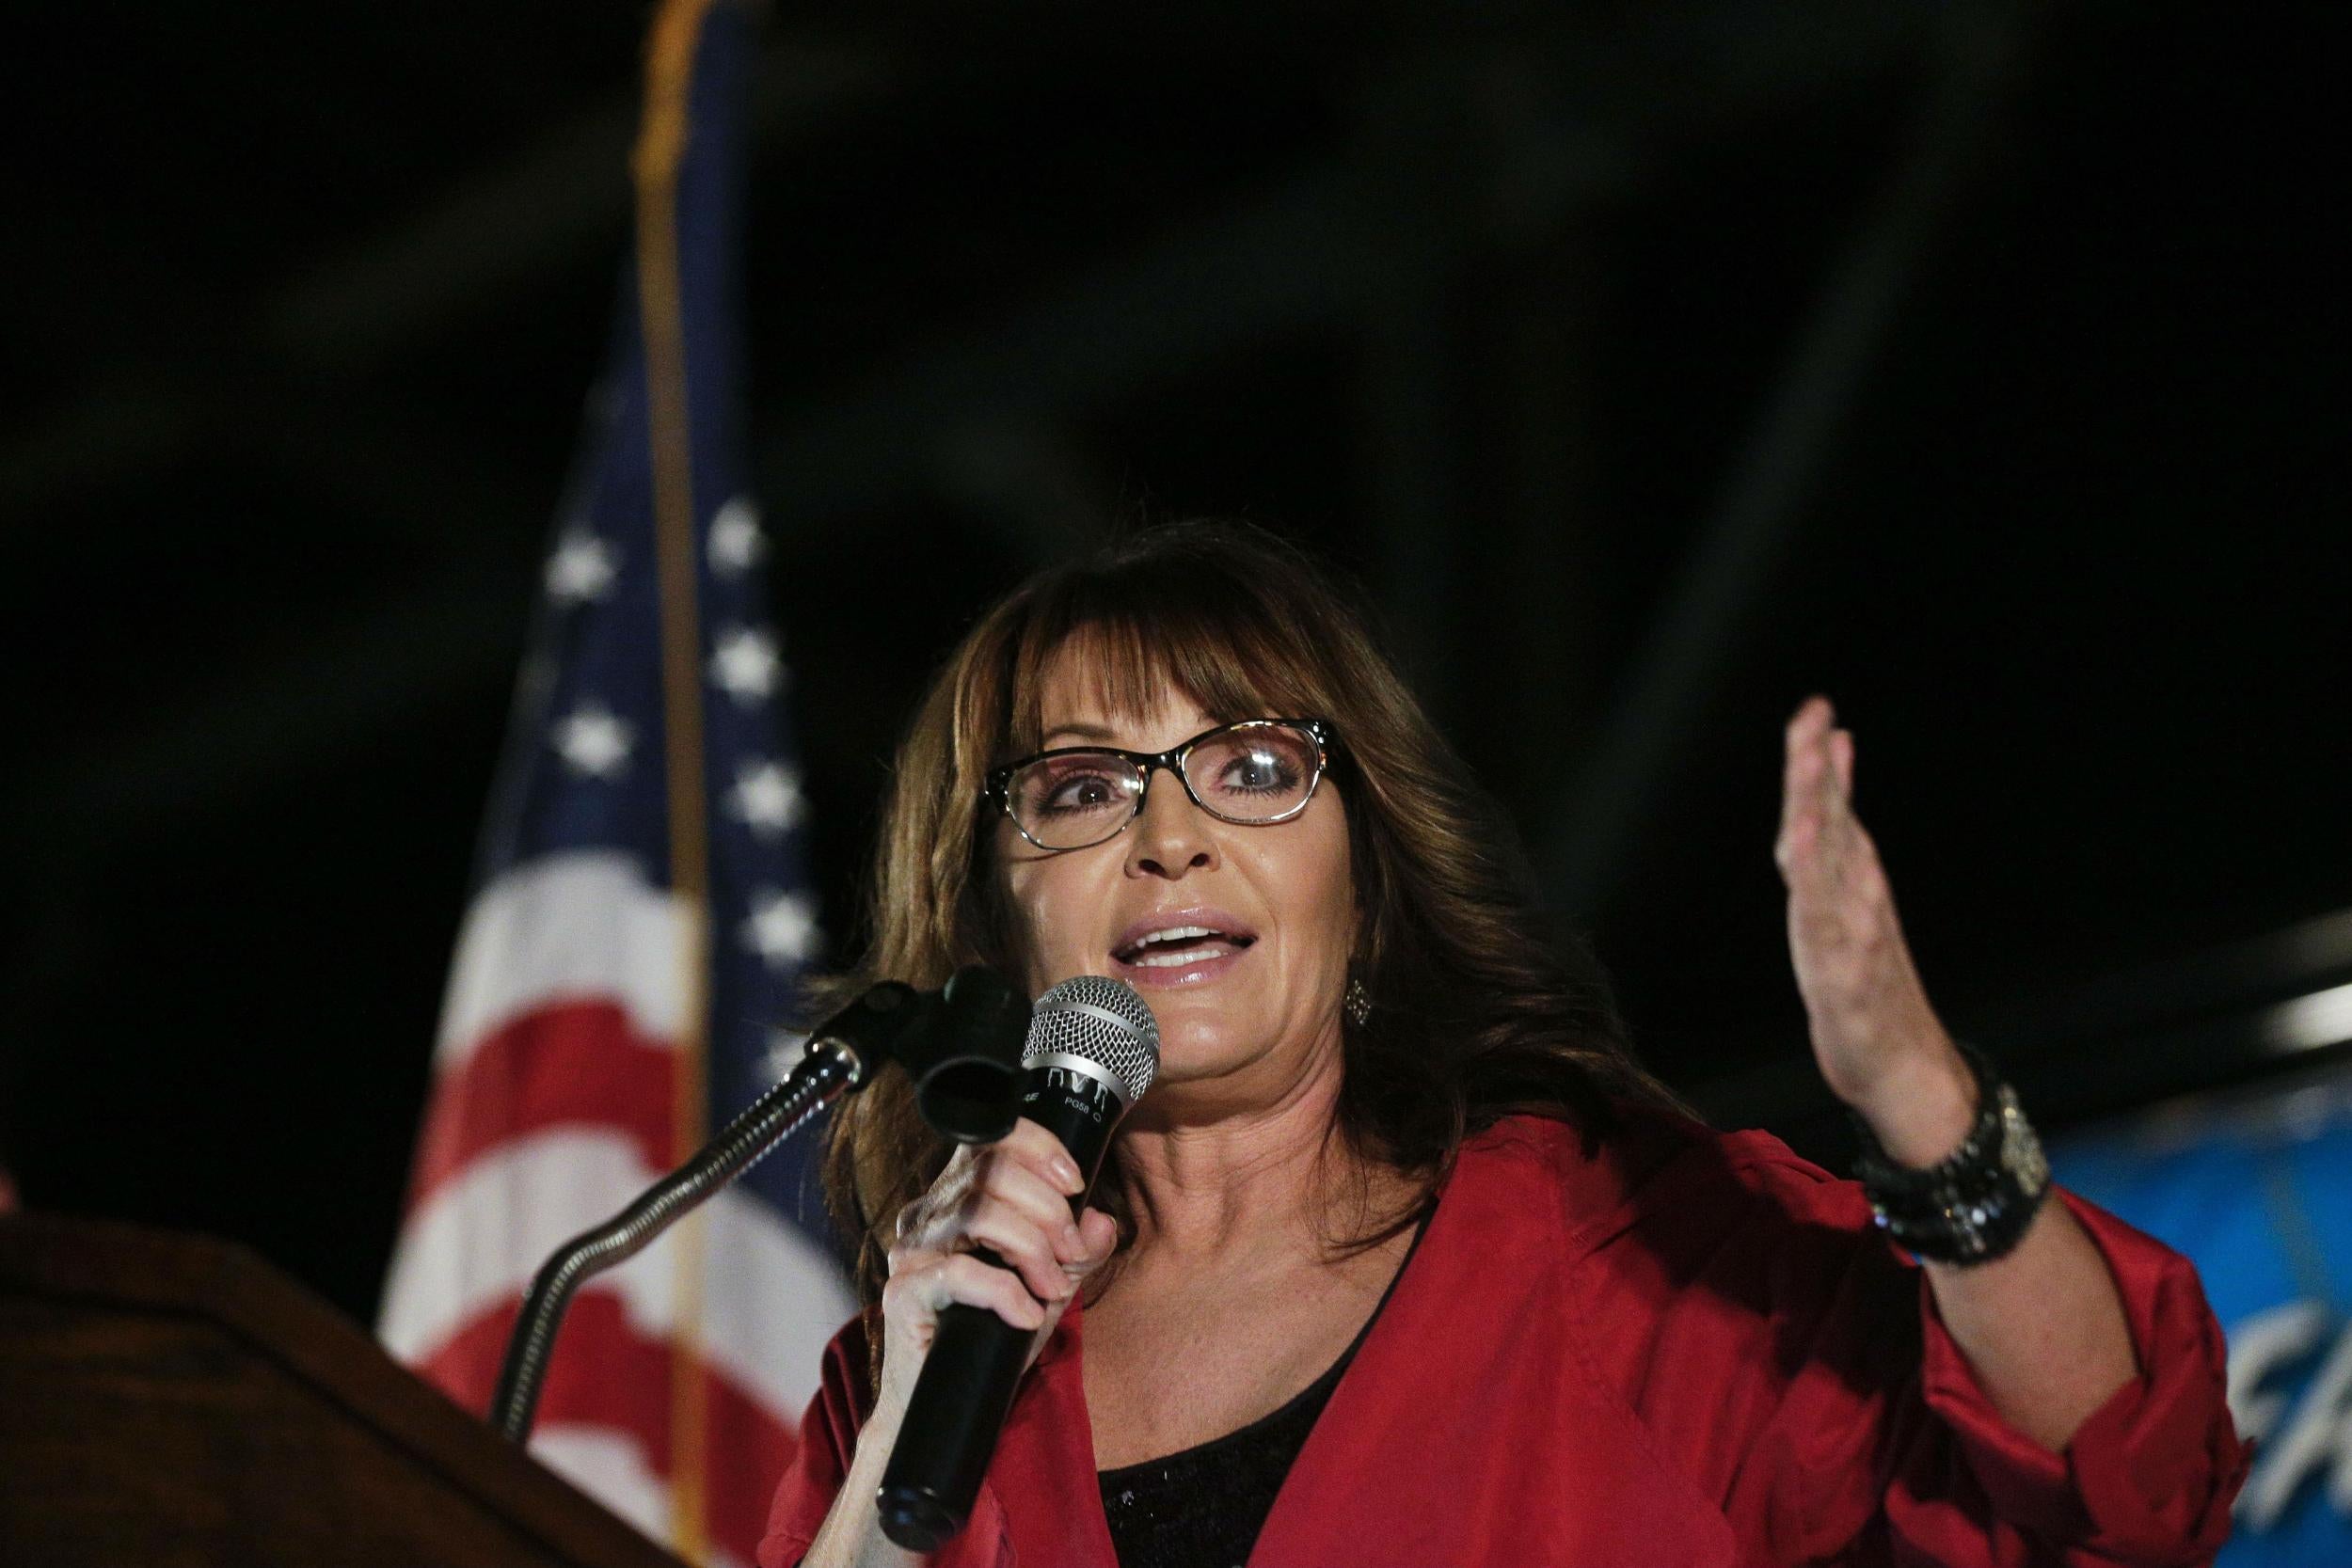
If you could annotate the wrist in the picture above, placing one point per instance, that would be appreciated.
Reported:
(878, 1435)
(1972, 1205)
(1921, 1111)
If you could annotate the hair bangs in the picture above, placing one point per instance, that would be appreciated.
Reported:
(1207, 635)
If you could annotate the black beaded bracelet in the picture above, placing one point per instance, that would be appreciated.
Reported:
(1973, 1205)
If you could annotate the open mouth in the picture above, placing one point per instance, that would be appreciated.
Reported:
(1176, 947)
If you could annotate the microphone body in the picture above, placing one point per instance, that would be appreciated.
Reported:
(1086, 1061)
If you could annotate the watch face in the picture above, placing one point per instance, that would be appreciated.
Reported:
(2021, 1150)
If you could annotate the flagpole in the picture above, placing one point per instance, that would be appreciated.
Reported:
(661, 148)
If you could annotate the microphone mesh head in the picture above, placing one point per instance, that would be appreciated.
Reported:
(1103, 1020)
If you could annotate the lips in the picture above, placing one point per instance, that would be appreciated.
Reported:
(1188, 945)
(1172, 941)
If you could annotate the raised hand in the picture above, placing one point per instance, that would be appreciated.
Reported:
(1878, 1042)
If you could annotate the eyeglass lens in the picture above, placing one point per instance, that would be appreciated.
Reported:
(1252, 774)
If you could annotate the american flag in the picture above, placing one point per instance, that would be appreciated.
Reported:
(641, 912)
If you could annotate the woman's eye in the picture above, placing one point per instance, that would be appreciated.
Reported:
(1257, 770)
(1079, 792)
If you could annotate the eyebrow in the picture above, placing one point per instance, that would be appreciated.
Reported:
(1084, 732)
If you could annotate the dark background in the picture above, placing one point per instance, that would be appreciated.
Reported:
(1652, 366)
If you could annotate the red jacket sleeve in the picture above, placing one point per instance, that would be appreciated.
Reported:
(2150, 1475)
(1794, 1364)
(821, 1459)
(828, 1446)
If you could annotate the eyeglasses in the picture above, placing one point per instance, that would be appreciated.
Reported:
(1255, 772)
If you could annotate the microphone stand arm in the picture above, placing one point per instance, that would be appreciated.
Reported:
(843, 1054)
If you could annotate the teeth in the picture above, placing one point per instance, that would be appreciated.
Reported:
(1181, 956)
(1161, 949)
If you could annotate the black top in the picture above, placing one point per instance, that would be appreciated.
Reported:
(1202, 1507)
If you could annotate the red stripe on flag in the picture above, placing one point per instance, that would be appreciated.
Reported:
(603, 1373)
(743, 1464)
(576, 1062)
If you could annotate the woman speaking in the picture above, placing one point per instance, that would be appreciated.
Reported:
(1403, 1260)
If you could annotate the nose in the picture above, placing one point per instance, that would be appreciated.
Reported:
(1170, 835)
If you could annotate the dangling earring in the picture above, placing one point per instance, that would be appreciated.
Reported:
(1359, 1002)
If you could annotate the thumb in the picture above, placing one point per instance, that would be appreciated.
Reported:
(1098, 1234)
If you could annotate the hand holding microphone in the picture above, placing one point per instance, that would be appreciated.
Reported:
(958, 1328)
(1012, 1197)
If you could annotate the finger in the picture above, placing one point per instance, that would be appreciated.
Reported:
(1098, 1234)
(961, 1173)
(1829, 804)
(1801, 777)
(1849, 846)
(966, 1279)
(1044, 1205)
(1816, 711)
(1023, 1245)
(935, 1220)
(1833, 783)
(1828, 784)
(1043, 1153)
(1019, 1216)
(918, 1216)
(1803, 736)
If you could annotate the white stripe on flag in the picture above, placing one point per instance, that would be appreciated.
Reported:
(581, 924)
(476, 1241)
(775, 1297)
(610, 1467)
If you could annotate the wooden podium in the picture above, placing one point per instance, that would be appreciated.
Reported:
(171, 1402)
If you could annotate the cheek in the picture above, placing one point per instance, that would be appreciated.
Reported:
(1335, 906)
(1310, 886)
(1049, 899)
(1029, 923)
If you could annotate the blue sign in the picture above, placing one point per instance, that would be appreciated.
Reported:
(2258, 1194)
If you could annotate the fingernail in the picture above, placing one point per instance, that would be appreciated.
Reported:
(1067, 1175)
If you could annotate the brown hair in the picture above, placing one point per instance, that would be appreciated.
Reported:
(1478, 1009)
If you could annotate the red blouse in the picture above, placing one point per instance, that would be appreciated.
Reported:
(1685, 1348)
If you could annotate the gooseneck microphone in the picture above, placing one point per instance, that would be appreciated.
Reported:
(1093, 1048)
(958, 1046)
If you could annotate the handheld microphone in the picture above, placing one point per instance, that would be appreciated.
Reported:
(1093, 1048)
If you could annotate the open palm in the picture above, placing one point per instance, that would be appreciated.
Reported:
(1878, 1042)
